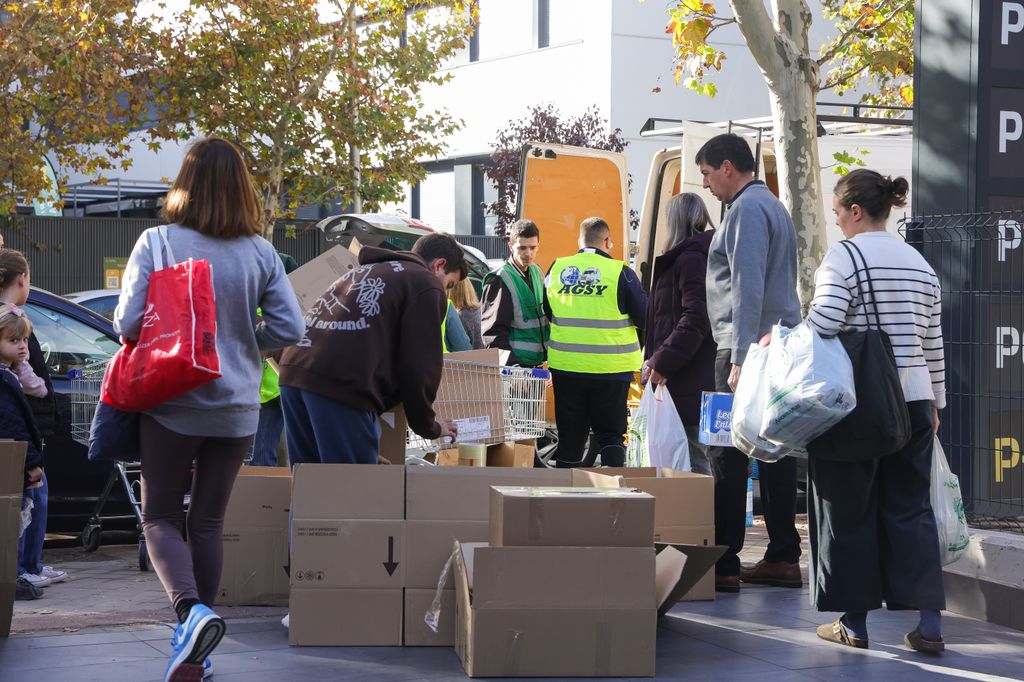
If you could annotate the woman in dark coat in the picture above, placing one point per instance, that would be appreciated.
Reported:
(680, 351)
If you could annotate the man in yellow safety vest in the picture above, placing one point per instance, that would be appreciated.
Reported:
(597, 308)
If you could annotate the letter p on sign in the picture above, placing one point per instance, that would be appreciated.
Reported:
(1014, 25)
(1010, 128)
(1009, 237)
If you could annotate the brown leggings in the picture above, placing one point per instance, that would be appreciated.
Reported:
(188, 569)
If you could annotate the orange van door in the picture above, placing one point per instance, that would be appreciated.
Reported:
(560, 186)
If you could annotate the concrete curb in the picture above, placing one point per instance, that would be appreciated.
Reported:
(987, 582)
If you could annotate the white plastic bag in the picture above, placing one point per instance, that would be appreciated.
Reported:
(948, 505)
(809, 386)
(748, 409)
(656, 435)
(26, 516)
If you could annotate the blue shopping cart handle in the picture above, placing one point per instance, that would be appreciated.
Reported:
(532, 372)
(74, 374)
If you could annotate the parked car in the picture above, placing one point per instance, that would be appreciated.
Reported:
(73, 337)
(396, 233)
(102, 301)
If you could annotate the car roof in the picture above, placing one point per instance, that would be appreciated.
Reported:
(68, 307)
(91, 294)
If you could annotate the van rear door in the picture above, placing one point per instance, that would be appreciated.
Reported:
(560, 186)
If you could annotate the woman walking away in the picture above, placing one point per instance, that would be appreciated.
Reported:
(463, 297)
(680, 351)
(214, 214)
(872, 531)
(34, 376)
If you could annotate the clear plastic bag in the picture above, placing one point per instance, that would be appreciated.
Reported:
(809, 386)
(656, 435)
(26, 516)
(948, 506)
(748, 409)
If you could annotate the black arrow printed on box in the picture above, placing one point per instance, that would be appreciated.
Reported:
(391, 564)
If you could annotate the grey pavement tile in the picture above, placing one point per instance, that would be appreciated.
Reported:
(142, 670)
(720, 668)
(71, 657)
(912, 670)
(819, 655)
(64, 640)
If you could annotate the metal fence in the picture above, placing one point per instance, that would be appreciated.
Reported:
(492, 247)
(67, 254)
(979, 259)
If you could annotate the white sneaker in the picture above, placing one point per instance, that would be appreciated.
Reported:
(36, 580)
(284, 621)
(54, 575)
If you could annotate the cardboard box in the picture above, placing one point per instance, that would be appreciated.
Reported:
(464, 493)
(560, 517)
(417, 632)
(682, 498)
(596, 618)
(318, 275)
(341, 554)
(512, 454)
(696, 536)
(348, 491)
(394, 431)
(428, 545)
(256, 539)
(716, 419)
(12, 487)
(345, 617)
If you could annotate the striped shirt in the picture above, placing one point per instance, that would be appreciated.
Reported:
(909, 306)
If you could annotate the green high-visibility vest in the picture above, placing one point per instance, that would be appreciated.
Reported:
(529, 328)
(588, 332)
(444, 328)
(269, 384)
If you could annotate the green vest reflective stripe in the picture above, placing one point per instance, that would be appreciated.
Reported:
(588, 332)
(444, 329)
(529, 328)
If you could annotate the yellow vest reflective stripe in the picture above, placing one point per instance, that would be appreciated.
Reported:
(588, 332)
(444, 329)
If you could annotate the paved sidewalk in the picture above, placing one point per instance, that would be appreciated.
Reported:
(763, 634)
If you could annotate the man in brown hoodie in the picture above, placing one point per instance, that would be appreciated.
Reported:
(373, 340)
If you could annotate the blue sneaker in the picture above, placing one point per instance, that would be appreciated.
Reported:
(192, 642)
(207, 668)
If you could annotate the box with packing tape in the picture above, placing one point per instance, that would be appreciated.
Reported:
(557, 517)
(595, 616)
(12, 488)
(256, 539)
(348, 543)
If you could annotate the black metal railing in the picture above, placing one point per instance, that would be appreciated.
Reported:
(979, 259)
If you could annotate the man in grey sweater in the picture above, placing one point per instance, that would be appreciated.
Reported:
(751, 285)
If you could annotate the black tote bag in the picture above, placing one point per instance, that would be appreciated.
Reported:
(880, 424)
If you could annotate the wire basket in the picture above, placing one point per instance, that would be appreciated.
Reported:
(490, 403)
(86, 383)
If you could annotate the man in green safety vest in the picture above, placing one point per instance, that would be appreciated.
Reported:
(513, 300)
(597, 308)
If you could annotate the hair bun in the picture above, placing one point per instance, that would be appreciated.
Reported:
(897, 189)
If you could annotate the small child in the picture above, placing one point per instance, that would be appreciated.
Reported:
(17, 422)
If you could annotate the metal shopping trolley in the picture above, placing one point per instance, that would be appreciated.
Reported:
(86, 383)
(490, 404)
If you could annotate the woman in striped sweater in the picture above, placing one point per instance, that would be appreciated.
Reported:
(873, 533)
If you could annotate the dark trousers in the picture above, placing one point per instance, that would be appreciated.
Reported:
(872, 529)
(323, 431)
(777, 484)
(583, 403)
(188, 569)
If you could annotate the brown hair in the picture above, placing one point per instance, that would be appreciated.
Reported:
(13, 264)
(463, 296)
(436, 245)
(872, 191)
(593, 231)
(214, 193)
(14, 325)
(523, 228)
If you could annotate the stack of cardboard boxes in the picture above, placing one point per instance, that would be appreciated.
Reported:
(12, 488)
(369, 543)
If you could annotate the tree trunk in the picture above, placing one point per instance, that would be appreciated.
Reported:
(781, 49)
(272, 198)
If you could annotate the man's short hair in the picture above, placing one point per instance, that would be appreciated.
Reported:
(527, 229)
(594, 230)
(436, 245)
(726, 147)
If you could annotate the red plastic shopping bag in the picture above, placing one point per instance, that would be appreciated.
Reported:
(176, 351)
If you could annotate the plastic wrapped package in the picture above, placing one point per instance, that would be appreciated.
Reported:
(809, 386)
(948, 505)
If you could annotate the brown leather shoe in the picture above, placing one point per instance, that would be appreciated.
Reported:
(778, 573)
(916, 641)
(727, 583)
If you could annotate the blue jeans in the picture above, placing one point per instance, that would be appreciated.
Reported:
(321, 430)
(268, 434)
(30, 544)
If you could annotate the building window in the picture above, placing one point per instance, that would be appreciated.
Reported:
(506, 27)
(437, 201)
